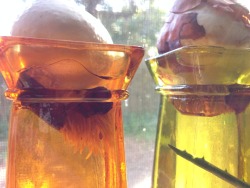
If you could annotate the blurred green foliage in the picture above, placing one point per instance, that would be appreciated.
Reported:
(134, 25)
(138, 23)
(4, 111)
(138, 26)
(141, 28)
(141, 126)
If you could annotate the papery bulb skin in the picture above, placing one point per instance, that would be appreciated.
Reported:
(205, 22)
(202, 73)
(66, 20)
(62, 20)
(222, 23)
(66, 81)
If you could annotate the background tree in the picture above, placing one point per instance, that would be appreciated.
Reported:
(90, 5)
(134, 25)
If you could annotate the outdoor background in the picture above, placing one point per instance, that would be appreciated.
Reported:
(131, 22)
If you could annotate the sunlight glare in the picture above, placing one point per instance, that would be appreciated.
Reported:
(144, 183)
(117, 5)
(245, 3)
(162, 5)
(9, 11)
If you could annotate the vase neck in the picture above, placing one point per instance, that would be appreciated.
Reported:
(98, 94)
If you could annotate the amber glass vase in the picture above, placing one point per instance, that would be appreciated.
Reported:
(66, 125)
(204, 119)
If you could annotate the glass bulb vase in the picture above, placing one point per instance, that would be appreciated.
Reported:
(66, 125)
(204, 118)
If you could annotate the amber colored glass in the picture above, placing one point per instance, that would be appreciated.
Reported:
(205, 112)
(66, 125)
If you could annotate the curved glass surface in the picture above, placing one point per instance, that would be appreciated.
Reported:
(201, 65)
(204, 112)
(66, 112)
(38, 64)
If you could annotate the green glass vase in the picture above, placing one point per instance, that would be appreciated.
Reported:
(204, 119)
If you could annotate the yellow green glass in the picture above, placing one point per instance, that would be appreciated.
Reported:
(204, 111)
(66, 125)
